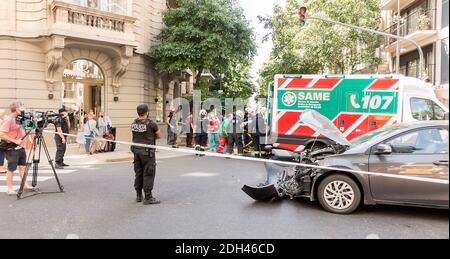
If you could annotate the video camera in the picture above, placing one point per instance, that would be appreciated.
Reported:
(37, 120)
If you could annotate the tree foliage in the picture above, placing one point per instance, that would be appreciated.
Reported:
(235, 83)
(204, 34)
(320, 47)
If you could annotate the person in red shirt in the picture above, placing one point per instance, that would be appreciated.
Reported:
(213, 132)
(13, 134)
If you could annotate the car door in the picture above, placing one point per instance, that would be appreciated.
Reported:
(420, 153)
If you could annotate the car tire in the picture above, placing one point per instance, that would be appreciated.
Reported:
(339, 194)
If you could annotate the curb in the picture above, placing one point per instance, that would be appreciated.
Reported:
(123, 159)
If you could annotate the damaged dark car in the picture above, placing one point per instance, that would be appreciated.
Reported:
(417, 149)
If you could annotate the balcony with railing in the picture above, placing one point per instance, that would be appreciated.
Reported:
(113, 6)
(418, 26)
(93, 19)
(392, 4)
(412, 70)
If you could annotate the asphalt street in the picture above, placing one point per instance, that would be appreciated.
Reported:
(201, 198)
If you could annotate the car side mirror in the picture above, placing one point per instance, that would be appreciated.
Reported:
(383, 149)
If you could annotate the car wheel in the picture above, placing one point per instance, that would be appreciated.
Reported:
(339, 194)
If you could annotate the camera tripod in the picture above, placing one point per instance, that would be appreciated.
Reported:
(33, 160)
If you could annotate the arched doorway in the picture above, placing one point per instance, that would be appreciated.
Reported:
(83, 90)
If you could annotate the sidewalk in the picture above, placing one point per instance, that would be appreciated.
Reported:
(76, 155)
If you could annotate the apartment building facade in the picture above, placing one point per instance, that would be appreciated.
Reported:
(426, 22)
(86, 55)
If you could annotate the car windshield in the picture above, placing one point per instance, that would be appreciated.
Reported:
(373, 135)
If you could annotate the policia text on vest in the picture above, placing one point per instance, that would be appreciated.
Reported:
(144, 131)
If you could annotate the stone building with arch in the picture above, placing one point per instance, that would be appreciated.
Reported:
(88, 55)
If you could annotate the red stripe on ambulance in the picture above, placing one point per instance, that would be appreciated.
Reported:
(383, 84)
(347, 119)
(303, 131)
(281, 81)
(298, 83)
(287, 121)
(326, 83)
(371, 123)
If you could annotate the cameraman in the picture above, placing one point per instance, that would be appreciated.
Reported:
(12, 136)
(62, 124)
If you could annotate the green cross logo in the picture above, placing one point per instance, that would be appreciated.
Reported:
(289, 99)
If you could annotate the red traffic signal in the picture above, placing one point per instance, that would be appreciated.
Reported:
(302, 11)
(302, 15)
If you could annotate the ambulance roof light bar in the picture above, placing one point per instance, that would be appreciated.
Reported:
(335, 76)
(382, 76)
(292, 76)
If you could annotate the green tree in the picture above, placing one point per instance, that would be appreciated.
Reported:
(320, 47)
(204, 34)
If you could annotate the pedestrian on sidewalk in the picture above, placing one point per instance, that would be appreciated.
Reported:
(11, 136)
(2, 153)
(190, 132)
(90, 132)
(235, 131)
(104, 128)
(223, 134)
(172, 129)
(213, 132)
(144, 131)
(201, 131)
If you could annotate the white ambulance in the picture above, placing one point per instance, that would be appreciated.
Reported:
(355, 104)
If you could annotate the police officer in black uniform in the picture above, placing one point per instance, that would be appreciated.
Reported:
(62, 124)
(235, 129)
(201, 131)
(259, 133)
(145, 131)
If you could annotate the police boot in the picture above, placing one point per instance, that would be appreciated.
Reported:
(150, 200)
(139, 197)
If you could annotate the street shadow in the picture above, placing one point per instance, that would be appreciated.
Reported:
(401, 211)
(274, 203)
(382, 210)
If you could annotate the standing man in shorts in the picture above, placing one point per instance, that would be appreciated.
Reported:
(13, 134)
(2, 153)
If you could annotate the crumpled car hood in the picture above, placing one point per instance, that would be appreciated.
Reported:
(324, 126)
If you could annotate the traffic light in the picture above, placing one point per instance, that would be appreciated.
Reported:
(302, 16)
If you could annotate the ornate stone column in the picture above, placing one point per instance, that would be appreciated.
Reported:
(53, 62)
(120, 67)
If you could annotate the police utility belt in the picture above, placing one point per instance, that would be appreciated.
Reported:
(150, 152)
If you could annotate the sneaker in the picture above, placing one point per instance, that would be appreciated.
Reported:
(59, 167)
(151, 201)
(65, 165)
(11, 193)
